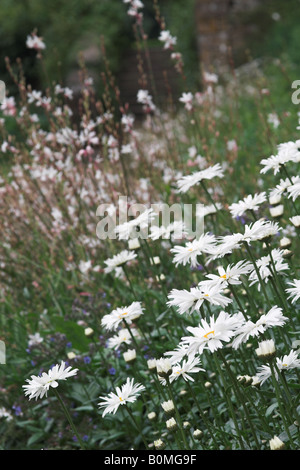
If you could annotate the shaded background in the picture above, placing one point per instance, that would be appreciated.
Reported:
(250, 28)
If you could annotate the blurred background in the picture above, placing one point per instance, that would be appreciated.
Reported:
(210, 33)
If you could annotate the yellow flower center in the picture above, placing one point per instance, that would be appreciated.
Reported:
(123, 314)
(120, 398)
(224, 276)
(209, 333)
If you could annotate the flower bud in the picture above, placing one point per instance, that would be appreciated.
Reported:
(266, 350)
(151, 365)
(164, 368)
(130, 356)
(159, 444)
(168, 407)
(171, 425)
(276, 444)
(197, 434)
(152, 416)
(277, 211)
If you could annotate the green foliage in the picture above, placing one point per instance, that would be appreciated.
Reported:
(42, 288)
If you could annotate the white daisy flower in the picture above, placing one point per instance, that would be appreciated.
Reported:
(186, 182)
(276, 443)
(294, 291)
(263, 373)
(188, 301)
(191, 250)
(260, 230)
(226, 245)
(274, 317)
(294, 191)
(112, 320)
(38, 386)
(177, 354)
(128, 393)
(118, 260)
(188, 366)
(122, 337)
(204, 211)
(135, 227)
(279, 190)
(287, 152)
(248, 203)
(211, 335)
(287, 362)
(163, 367)
(265, 267)
(173, 231)
(231, 275)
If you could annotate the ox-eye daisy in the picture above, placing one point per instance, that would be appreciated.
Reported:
(186, 182)
(260, 230)
(264, 265)
(273, 317)
(191, 250)
(287, 362)
(38, 386)
(188, 301)
(119, 260)
(122, 337)
(226, 245)
(112, 320)
(231, 275)
(188, 366)
(294, 291)
(135, 227)
(128, 393)
(211, 335)
(250, 203)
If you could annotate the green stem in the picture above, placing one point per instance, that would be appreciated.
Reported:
(206, 422)
(237, 300)
(186, 446)
(230, 407)
(257, 272)
(136, 425)
(68, 416)
(240, 397)
(287, 391)
(281, 408)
